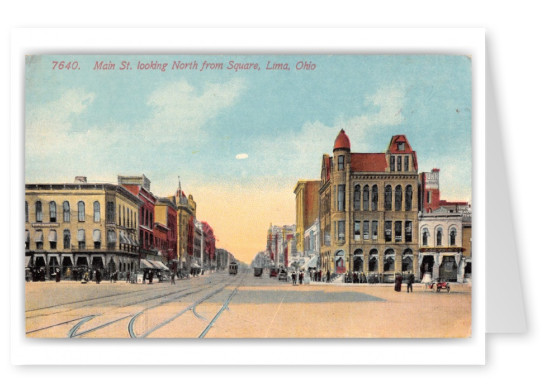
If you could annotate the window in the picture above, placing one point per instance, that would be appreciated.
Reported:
(340, 198)
(398, 198)
(366, 198)
(428, 197)
(425, 237)
(81, 212)
(406, 163)
(366, 230)
(357, 234)
(53, 212)
(97, 239)
(66, 239)
(453, 233)
(388, 231)
(52, 238)
(392, 164)
(357, 197)
(409, 231)
(119, 215)
(409, 196)
(127, 217)
(110, 212)
(399, 163)
(374, 229)
(96, 212)
(81, 239)
(341, 231)
(389, 261)
(398, 231)
(66, 212)
(374, 197)
(439, 237)
(111, 239)
(401, 146)
(39, 239)
(26, 212)
(124, 217)
(27, 239)
(388, 197)
(38, 211)
(341, 163)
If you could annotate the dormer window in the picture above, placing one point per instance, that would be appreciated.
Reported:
(401, 146)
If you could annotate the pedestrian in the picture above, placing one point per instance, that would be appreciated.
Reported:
(144, 276)
(411, 279)
(128, 276)
(151, 277)
(294, 277)
(98, 276)
(328, 276)
(398, 283)
(57, 275)
(300, 277)
(173, 278)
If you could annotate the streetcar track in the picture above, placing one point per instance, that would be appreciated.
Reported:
(57, 324)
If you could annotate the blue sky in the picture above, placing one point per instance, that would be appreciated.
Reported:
(195, 124)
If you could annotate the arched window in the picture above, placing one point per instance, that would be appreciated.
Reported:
(66, 239)
(453, 234)
(53, 212)
(425, 237)
(357, 197)
(373, 260)
(388, 197)
(38, 211)
(96, 236)
(389, 260)
(66, 212)
(439, 237)
(96, 212)
(409, 197)
(81, 211)
(366, 198)
(81, 237)
(374, 197)
(407, 261)
(398, 198)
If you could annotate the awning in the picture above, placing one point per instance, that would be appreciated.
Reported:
(80, 235)
(159, 265)
(27, 236)
(38, 236)
(27, 260)
(145, 264)
(312, 263)
(195, 265)
(123, 238)
(52, 236)
(97, 235)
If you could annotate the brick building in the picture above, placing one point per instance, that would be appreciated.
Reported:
(307, 210)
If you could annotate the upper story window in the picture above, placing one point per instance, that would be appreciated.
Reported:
(81, 211)
(53, 212)
(388, 231)
(341, 230)
(374, 229)
(388, 197)
(366, 229)
(439, 237)
(26, 212)
(341, 163)
(81, 237)
(357, 232)
(392, 163)
(66, 212)
(399, 160)
(409, 196)
(453, 234)
(110, 212)
(409, 231)
(401, 146)
(38, 211)
(340, 197)
(97, 213)
(119, 215)
(374, 197)
(366, 198)
(398, 231)
(66, 239)
(357, 197)
(406, 163)
(425, 237)
(398, 198)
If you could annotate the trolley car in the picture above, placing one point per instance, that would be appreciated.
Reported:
(233, 268)
(258, 272)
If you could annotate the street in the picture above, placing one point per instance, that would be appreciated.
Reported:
(218, 305)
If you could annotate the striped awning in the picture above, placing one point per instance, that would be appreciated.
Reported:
(38, 236)
(145, 264)
(80, 235)
(123, 238)
(111, 236)
(52, 236)
(96, 235)
(159, 265)
(27, 236)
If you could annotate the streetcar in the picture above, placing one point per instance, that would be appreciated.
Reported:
(258, 272)
(233, 268)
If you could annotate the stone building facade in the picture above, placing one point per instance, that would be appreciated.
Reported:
(80, 225)
(307, 209)
(369, 210)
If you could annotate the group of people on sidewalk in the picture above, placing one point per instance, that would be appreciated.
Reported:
(398, 283)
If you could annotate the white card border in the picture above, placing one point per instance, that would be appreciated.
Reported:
(247, 352)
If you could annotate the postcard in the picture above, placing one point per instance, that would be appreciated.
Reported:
(248, 196)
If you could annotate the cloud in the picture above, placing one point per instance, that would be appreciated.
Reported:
(242, 156)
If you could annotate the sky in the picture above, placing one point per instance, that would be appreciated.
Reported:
(239, 137)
